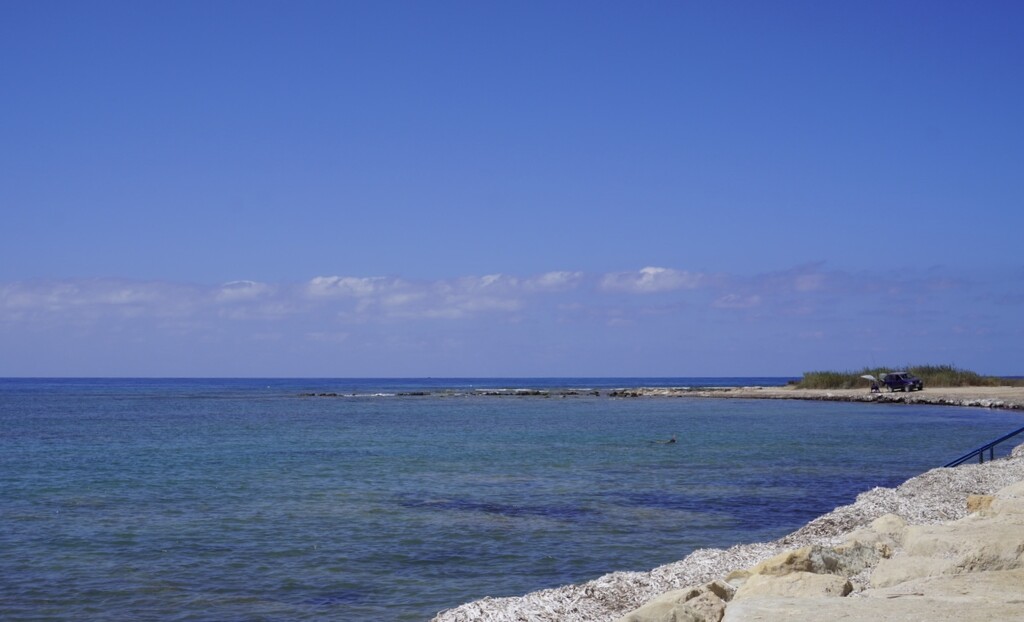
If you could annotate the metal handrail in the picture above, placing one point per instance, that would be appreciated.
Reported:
(980, 452)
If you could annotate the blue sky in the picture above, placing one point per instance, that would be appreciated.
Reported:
(509, 189)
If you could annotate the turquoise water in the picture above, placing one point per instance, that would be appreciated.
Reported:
(246, 500)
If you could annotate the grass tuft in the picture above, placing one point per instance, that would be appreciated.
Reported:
(931, 375)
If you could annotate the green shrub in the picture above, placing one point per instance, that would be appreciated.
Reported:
(931, 375)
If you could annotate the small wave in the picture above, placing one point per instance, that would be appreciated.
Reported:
(335, 394)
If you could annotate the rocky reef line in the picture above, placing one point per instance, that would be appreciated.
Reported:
(1011, 398)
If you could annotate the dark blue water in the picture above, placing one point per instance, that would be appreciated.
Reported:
(248, 499)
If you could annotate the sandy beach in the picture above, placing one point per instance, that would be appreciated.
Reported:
(923, 550)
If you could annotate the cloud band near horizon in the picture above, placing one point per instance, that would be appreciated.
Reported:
(652, 312)
(363, 298)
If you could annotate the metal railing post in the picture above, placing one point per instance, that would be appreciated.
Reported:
(980, 452)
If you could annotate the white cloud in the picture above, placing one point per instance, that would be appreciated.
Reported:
(491, 279)
(555, 281)
(401, 299)
(349, 285)
(651, 280)
(242, 290)
(466, 297)
(385, 297)
(89, 298)
(472, 304)
(339, 300)
(489, 282)
(352, 317)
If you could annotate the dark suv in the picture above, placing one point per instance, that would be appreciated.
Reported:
(902, 381)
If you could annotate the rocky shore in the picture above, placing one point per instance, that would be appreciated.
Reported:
(984, 397)
(945, 545)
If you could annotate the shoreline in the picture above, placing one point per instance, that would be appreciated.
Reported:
(1002, 397)
(1009, 398)
(935, 497)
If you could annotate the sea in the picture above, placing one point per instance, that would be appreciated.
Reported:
(394, 499)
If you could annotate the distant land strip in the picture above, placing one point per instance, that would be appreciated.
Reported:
(1011, 398)
(1004, 397)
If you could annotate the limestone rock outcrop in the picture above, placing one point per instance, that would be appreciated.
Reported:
(698, 604)
(962, 570)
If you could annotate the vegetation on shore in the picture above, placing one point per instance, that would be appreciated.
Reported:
(931, 375)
